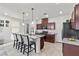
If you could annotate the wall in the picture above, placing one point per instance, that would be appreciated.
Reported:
(59, 26)
(14, 26)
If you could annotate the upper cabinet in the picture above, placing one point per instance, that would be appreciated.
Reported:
(45, 21)
(75, 18)
(46, 25)
(39, 26)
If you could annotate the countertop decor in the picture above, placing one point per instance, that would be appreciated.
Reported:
(67, 41)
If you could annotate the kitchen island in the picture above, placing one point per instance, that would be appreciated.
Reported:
(39, 39)
(70, 48)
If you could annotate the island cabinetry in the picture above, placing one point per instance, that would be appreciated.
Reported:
(42, 43)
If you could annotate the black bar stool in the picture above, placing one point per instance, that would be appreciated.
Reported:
(15, 40)
(20, 42)
(28, 45)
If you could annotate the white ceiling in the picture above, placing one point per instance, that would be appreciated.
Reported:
(52, 9)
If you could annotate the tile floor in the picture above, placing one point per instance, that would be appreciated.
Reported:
(50, 49)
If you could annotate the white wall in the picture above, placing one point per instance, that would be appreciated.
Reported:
(59, 26)
(14, 26)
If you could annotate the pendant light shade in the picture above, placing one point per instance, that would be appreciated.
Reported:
(32, 16)
(23, 24)
(23, 19)
(45, 15)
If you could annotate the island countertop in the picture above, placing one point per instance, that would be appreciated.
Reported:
(35, 36)
(67, 41)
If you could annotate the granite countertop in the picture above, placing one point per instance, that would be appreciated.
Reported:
(76, 42)
(36, 36)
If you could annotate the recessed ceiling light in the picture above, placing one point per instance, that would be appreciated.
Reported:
(27, 14)
(23, 24)
(32, 22)
(36, 17)
(60, 12)
(5, 14)
(45, 15)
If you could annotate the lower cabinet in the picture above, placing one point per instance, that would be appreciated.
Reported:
(50, 38)
(70, 50)
(47, 38)
(42, 43)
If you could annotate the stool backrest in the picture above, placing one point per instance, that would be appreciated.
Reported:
(15, 36)
(25, 39)
(28, 39)
(19, 37)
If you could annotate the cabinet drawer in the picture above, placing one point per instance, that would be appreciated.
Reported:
(50, 38)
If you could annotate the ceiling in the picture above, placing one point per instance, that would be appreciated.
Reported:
(52, 9)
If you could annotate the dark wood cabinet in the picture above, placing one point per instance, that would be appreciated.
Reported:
(50, 38)
(47, 38)
(70, 50)
(51, 26)
(75, 17)
(46, 25)
(39, 26)
(42, 43)
(45, 21)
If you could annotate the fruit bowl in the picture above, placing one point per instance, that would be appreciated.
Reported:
(71, 39)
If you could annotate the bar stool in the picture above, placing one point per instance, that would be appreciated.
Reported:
(15, 40)
(20, 42)
(28, 44)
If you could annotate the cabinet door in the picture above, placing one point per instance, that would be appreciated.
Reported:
(39, 26)
(70, 50)
(51, 26)
(77, 17)
(42, 43)
(50, 38)
(45, 21)
(73, 20)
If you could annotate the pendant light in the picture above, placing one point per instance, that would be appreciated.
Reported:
(23, 24)
(45, 15)
(23, 19)
(32, 16)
